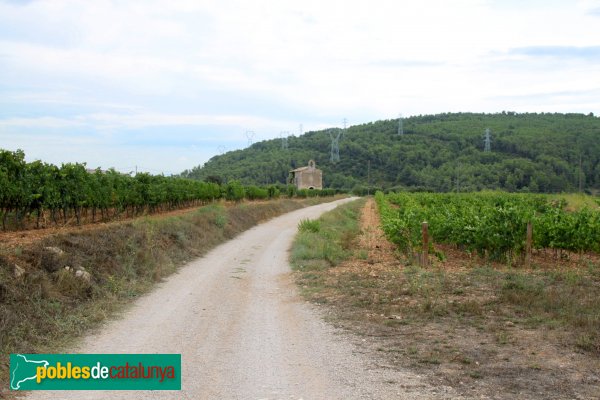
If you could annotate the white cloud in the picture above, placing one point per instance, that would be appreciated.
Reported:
(268, 65)
(39, 122)
(140, 121)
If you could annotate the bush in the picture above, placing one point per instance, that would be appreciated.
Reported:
(291, 191)
(234, 191)
(256, 193)
(308, 225)
(273, 192)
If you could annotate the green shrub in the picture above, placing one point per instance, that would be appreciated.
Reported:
(234, 191)
(308, 225)
(256, 193)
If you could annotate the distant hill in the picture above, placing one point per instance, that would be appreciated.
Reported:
(529, 152)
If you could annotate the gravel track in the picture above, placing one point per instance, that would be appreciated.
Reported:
(244, 333)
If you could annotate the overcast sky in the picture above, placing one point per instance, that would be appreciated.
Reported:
(165, 85)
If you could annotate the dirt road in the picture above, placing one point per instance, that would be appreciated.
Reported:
(244, 333)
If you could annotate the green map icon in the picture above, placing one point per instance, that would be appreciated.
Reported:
(23, 369)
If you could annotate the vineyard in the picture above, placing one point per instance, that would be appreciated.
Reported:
(492, 224)
(51, 195)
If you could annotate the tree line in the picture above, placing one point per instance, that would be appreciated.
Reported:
(50, 194)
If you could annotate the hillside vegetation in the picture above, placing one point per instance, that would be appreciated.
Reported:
(529, 152)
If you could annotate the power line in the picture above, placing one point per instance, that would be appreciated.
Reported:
(284, 139)
(250, 136)
(335, 146)
(487, 141)
(400, 125)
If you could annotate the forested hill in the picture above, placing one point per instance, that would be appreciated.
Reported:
(529, 152)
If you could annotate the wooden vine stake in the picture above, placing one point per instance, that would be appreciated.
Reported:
(425, 254)
(528, 245)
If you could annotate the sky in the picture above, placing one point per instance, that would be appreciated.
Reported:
(162, 86)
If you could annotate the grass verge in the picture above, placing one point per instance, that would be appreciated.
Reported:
(44, 305)
(325, 242)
